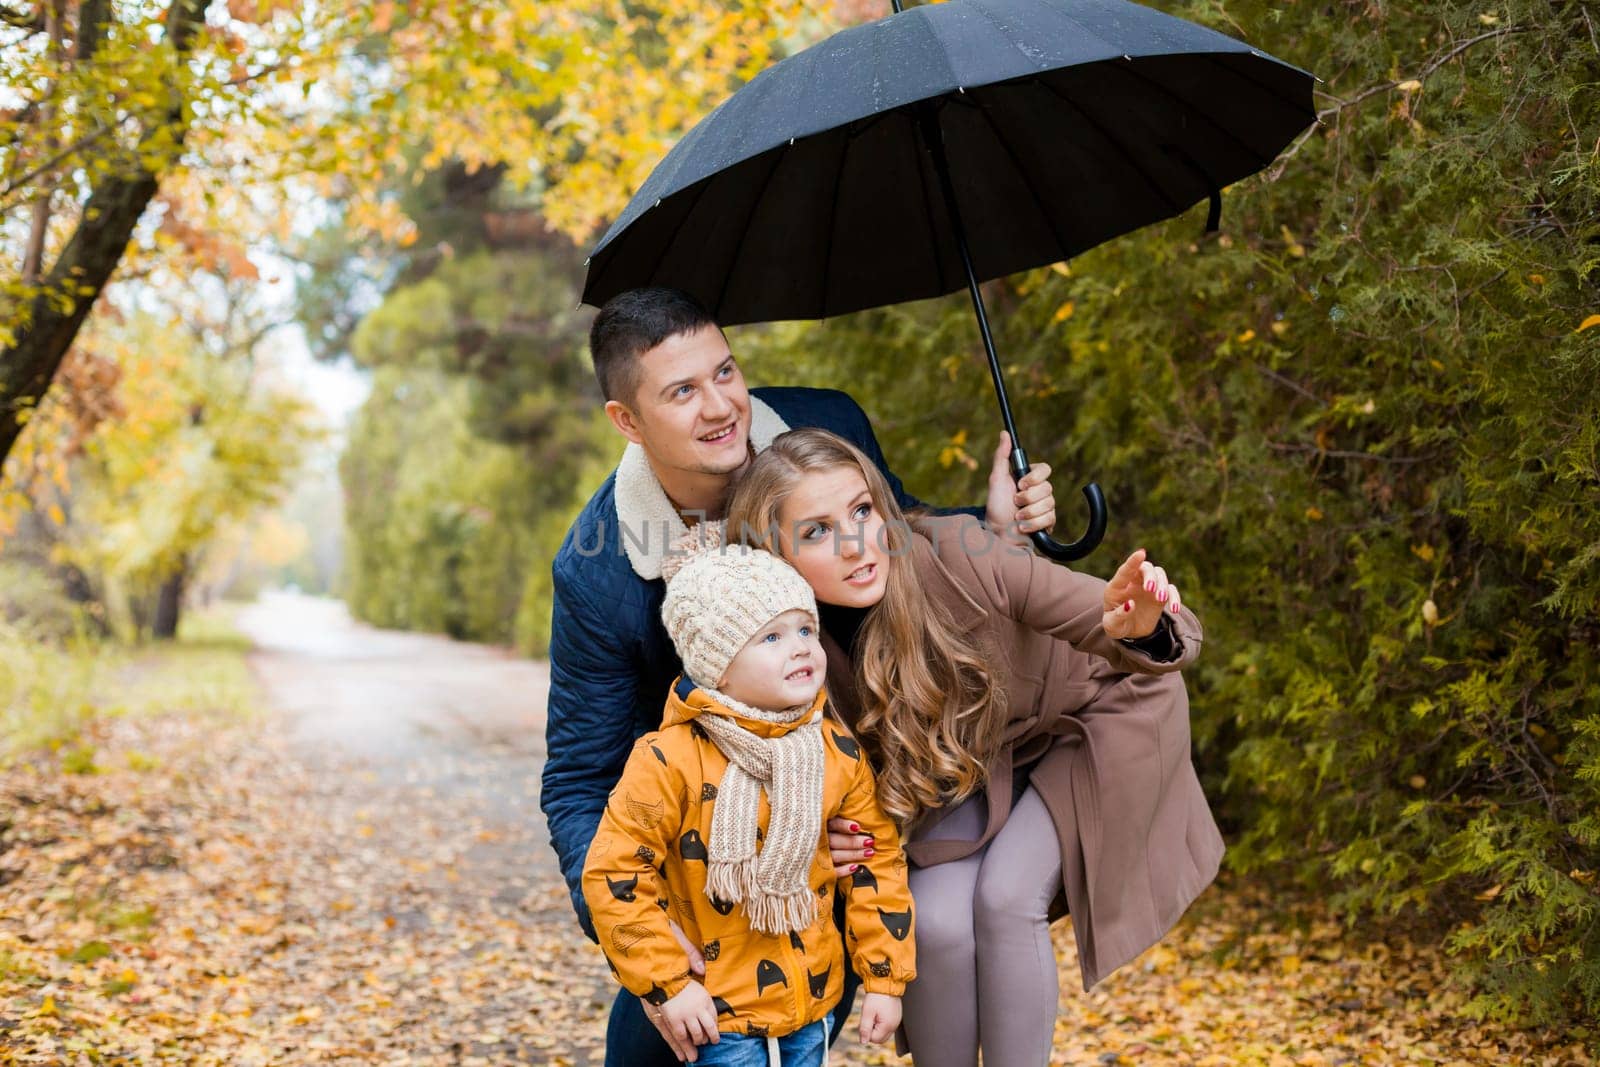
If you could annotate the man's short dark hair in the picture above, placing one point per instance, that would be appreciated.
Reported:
(631, 324)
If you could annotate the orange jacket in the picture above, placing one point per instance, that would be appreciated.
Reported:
(647, 865)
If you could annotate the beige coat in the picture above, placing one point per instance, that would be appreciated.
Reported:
(1108, 726)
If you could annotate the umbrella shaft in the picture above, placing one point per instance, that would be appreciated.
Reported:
(934, 137)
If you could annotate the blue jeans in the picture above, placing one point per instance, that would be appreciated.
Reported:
(803, 1048)
(633, 1041)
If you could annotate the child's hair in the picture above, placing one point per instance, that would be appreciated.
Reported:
(928, 697)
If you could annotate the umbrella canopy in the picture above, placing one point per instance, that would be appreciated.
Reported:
(813, 191)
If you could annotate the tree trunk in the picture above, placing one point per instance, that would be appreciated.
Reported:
(139, 613)
(29, 363)
(169, 604)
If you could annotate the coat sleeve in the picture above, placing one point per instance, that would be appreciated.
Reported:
(622, 878)
(589, 725)
(861, 435)
(879, 932)
(1052, 599)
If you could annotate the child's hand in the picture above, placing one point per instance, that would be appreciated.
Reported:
(880, 1018)
(687, 1020)
(1135, 598)
(697, 962)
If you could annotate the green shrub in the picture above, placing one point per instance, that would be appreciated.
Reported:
(45, 689)
(30, 597)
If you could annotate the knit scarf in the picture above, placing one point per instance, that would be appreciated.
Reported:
(774, 886)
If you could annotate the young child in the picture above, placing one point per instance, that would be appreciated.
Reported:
(718, 825)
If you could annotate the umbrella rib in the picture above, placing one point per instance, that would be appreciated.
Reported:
(738, 249)
(1212, 58)
(1122, 150)
(1218, 126)
(666, 248)
(927, 204)
(833, 222)
(1026, 180)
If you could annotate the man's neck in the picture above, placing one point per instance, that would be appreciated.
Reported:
(696, 495)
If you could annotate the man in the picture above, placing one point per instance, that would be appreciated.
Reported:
(674, 390)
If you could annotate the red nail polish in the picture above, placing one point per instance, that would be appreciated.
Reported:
(854, 867)
(1128, 606)
(869, 853)
(855, 829)
(868, 843)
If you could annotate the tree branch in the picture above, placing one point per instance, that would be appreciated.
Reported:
(1290, 383)
(1428, 69)
(58, 309)
(13, 185)
(22, 20)
(33, 254)
(1282, 446)
(1342, 106)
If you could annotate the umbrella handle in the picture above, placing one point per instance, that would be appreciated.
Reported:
(1048, 546)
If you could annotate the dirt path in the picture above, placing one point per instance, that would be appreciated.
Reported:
(428, 752)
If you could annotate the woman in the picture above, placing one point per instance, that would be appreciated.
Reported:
(1028, 728)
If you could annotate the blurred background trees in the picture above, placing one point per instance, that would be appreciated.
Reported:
(1359, 426)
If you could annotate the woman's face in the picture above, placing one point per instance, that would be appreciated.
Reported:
(832, 533)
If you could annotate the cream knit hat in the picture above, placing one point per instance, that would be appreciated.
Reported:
(719, 596)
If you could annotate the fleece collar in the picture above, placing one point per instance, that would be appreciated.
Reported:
(648, 524)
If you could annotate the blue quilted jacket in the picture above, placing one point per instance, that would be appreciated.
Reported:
(611, 661)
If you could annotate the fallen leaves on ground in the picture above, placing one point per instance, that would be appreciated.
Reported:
(237, 906)
(207, 896)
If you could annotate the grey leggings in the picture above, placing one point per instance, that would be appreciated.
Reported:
(986, 971)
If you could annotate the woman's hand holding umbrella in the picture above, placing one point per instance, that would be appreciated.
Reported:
(1135, 598)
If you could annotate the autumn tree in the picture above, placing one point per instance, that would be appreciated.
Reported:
(83, 155)
(199, 445)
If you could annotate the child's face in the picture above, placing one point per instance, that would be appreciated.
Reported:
(781, 666)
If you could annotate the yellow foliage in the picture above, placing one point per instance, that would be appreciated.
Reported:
(196, 447)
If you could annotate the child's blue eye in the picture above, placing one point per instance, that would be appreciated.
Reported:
(769, 638)
(805, 631)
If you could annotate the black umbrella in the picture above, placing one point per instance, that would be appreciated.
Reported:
(947, 145)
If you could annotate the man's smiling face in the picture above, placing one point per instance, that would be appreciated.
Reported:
(692, 411)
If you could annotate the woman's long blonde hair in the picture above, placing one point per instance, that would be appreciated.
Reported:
(931, 712)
